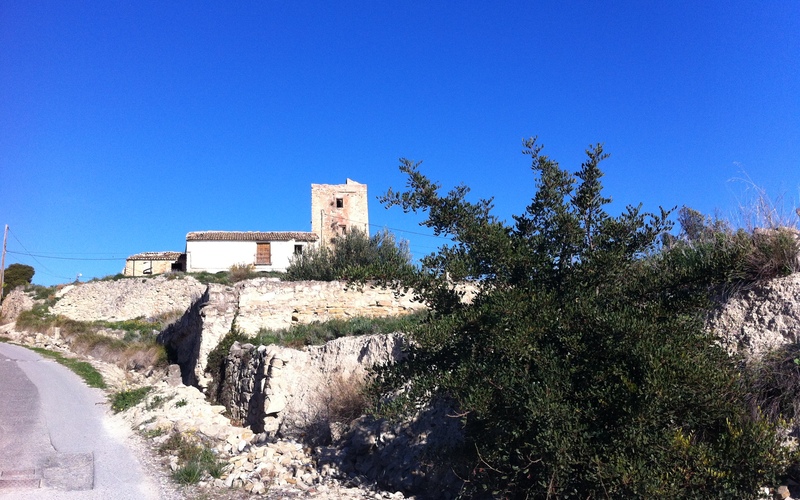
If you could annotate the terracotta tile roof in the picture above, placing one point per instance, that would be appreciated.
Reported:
(156, 256)
(251, 236)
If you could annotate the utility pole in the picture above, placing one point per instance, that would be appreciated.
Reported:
(3, 263)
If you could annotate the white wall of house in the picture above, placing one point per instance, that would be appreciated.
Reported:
(215, 256)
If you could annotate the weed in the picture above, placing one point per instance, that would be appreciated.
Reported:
(190, 473)
(136, 350)
(154, 433)
(155, 403)
(240, 272)
(344, 400)
(757, 209)
(114, 277)
(123, 400)
(225, 277)
(210, 463)
(196, 459)
(46, 293)
(180, 403)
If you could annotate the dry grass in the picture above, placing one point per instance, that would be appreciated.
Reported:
(346, 398)
(126, 355)
(775, 253)
(757, 209)
(240, 272)
(343, 400)
(131, 345)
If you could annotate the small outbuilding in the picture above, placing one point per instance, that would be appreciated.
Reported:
(214, 251)
(149, 263)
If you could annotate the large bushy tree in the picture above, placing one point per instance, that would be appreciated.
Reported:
(581, 369)
(16, 275)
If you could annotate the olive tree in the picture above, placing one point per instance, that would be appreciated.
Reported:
(581, 368)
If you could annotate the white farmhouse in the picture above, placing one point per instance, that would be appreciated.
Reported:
(336, 210)
(214, 251)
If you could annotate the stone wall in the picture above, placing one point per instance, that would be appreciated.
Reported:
(210, 310)
(337, 209)
(258, 303)
(273, 304)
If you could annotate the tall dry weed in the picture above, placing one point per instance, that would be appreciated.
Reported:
(757, 209)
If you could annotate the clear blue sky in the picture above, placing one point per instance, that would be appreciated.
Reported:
(125, 125)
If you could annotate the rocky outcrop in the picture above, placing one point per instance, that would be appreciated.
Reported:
(257, 303)
(254, 463)
(761, 318)
(291, 393)
(197, 333)
(126, 299)
(272, 304)
(262, 303)
(14, 303)
(314, 395)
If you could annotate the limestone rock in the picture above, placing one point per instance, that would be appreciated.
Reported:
(760, 319)
(127, 299)
(290, 393)
(14, 303)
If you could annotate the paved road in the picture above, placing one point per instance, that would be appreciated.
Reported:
(56, 440)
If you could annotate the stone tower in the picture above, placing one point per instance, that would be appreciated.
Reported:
(337, 209)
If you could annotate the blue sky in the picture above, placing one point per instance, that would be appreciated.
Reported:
(125, 125)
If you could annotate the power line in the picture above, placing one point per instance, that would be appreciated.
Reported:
(48, 270)
(63, 258)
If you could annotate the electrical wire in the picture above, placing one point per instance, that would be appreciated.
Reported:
(42, 266)
(63, 258)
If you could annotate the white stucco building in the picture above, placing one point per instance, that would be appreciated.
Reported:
(336, 210)
(214, 251)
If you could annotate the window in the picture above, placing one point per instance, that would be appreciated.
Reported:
(343, 230)
(298, 249)
(263, 254)
(339, 202)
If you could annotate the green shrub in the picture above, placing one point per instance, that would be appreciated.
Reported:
(46, 293)
(190, 473)
(581, 368)
(123, 400)
(195, 459)
(744, 256)
(353, 257)
(116, 277)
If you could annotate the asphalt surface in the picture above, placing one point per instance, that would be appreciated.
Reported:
(57, 440)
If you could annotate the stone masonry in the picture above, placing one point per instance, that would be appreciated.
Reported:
(337, 209)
